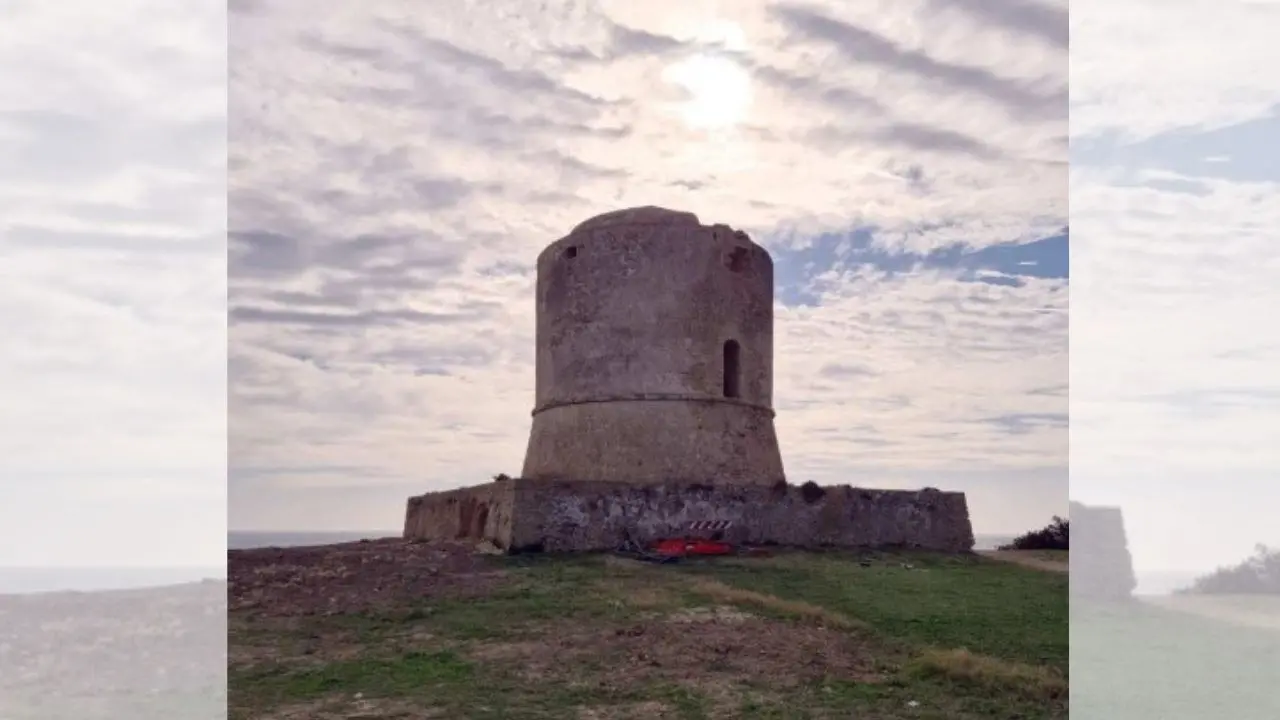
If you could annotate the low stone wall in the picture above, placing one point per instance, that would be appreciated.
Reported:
(480, 512)
(561, 516)
(1101, 566)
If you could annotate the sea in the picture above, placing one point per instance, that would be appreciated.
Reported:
(247, 540)
(29, 580)
(26, 580)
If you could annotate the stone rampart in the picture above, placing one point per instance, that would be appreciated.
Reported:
(562, 516)
(479, 512)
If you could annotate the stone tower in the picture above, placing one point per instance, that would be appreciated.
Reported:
(654, 354)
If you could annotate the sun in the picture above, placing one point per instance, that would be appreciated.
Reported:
(719, 90)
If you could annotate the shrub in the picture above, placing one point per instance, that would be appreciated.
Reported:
(812, 492)
(1054, 536)
(780, 489)
(1258, 575)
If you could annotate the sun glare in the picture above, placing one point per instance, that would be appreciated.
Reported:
(719, 90)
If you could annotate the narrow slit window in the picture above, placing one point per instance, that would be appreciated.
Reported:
(732, 369)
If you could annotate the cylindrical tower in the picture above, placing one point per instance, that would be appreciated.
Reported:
(654, 354)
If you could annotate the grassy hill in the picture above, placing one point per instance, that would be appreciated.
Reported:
(439, 633)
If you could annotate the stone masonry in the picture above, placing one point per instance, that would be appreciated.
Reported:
(557, 516)
(654, 354)
(654, 409)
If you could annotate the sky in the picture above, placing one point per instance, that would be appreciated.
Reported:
(1175, 205)
(348, 320)
(394, 173)
(113, 283)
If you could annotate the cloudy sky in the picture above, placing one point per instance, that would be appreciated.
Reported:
(1175, 206)
(394, 172)
(112, 282)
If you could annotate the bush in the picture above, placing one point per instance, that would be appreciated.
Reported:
(1258, 575)
(812, 492)
(1054, 536)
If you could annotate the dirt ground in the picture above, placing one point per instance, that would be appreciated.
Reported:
(353, 577)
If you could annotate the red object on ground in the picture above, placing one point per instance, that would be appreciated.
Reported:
(680, 547)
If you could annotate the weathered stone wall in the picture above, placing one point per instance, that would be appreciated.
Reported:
(1101, 566)
(634, 310)
(557, 516)
(656, 441)
(481, 512)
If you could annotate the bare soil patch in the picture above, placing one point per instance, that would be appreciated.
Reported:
(354, 577)
(697, 647)
(630, 711)
(356, 708)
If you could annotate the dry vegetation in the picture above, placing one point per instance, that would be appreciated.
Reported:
(790, 636)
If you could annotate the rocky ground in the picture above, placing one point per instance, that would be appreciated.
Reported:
(354, 577)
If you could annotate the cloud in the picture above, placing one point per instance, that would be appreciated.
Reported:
(113, 284)
(393, 175)
(1142, 68)
(1175, 267)
(1047, 22)
(860, 45)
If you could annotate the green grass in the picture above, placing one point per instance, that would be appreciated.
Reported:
(997, 609)
(950, 638)
(406, 673)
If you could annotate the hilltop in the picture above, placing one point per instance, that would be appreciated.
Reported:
(417, 630)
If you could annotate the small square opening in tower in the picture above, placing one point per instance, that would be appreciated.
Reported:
(571, 252)
(732, 369)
